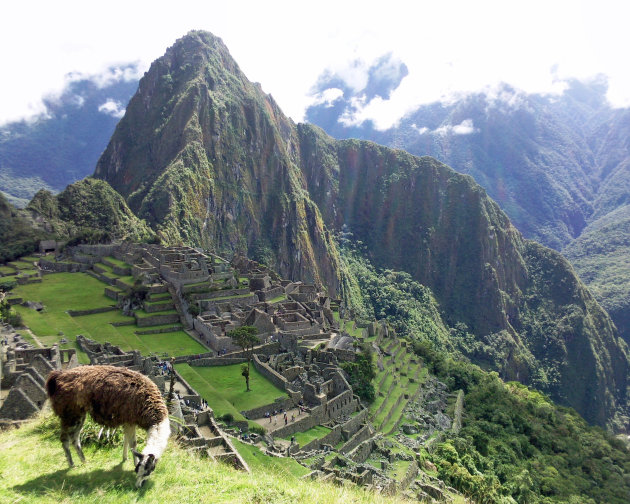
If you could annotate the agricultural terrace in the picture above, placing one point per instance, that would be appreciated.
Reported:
(61, 292)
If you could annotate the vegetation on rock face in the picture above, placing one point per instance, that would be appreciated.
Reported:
(601, 256)
(18, 236)
(516, 443)
(558, 166)
(89, 211)
(361, 373)
(205, 157)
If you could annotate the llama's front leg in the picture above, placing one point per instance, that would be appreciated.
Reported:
(130, 440)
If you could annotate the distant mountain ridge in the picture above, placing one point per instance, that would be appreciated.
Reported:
(206, 158)
(63, 145)
(556, 166)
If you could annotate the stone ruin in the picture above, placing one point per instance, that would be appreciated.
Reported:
(24, 373)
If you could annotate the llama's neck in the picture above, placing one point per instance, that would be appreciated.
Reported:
(157, 437)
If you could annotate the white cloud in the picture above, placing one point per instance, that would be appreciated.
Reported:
(449, 47)
(113, 108)
(328, 97)
(466, 127)
(422, 130)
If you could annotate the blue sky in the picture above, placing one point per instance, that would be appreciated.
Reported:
(447, 47)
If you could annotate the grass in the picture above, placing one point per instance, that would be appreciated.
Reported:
(224, 388)
(303, 438)
(258, 461)
(117, 262)
(34, 471)
(143, 314)
(66, 291)
(7, 270)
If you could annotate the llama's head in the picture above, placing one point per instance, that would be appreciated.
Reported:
(145, 465)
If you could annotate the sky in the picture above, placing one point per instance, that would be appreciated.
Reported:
(448, 47)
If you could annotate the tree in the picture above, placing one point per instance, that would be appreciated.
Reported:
(245, 337)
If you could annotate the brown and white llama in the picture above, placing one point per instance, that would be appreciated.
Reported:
(114, 397)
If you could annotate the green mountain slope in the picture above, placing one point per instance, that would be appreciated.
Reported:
(207, 158)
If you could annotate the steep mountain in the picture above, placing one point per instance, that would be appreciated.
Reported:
(63, 145)
(555, 165)
(207, 158)
(90, 210)
(17, 234)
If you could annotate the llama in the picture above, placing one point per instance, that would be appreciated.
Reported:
(113, 396)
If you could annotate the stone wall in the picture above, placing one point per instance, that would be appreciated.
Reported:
(301, 424)
(359, 437)
(271, 374)
(352, 425)
(361, 453)
(332, 438)
(157, 320)
(283, 403)
(343, 404)
(59, 267)
(269, 294)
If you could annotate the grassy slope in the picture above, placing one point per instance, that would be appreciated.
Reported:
(34, 470)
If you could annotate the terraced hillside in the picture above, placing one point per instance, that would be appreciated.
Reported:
(86, 303)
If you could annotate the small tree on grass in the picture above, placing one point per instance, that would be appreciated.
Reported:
(245, 337)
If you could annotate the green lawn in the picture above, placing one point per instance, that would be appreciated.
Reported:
(303, 438)
(224, 388)
(66, 291)
(143, 314)
(7, 270)
(258, 461)
(118, 262)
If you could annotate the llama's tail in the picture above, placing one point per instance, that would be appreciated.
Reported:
(51, 382)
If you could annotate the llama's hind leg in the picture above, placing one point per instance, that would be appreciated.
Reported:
(70, 431)
(130, 440)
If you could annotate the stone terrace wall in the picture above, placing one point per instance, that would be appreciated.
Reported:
(216, 361)
(343, 404)
(271, 374)
(352, 425)
(332, 438)
(57, 267)
(283, 403)
(361, 435)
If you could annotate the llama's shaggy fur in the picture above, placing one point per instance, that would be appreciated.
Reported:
(114, 397)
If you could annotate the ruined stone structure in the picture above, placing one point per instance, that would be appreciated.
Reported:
(24, 373)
